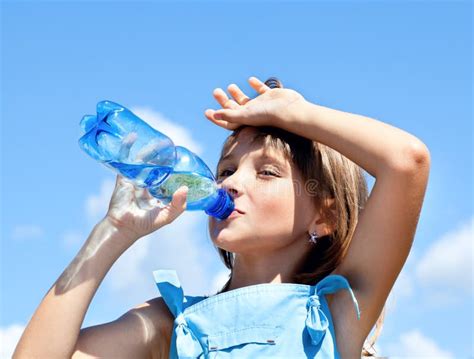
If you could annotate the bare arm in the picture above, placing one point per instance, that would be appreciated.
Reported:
(377, 147)
(399, 161)
(143, 332)
(386, 227)
(55, 328)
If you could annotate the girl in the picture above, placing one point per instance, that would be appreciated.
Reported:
(312, 257)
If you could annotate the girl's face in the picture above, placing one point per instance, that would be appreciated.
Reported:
(269, 191)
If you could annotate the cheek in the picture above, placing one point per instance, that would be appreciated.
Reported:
(276, 209)
(285, 213)
(278, 198)
(271, 214)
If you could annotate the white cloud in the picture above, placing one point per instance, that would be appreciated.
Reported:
(444, 270)
(95, 207)
(180, 135)
(414, 344)
(27, 232)
(180, 246)
(97, 204)
(9, 338)
(128, 270)
(441, 270)
(447, 264)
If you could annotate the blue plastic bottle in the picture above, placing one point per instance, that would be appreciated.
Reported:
(128, 145)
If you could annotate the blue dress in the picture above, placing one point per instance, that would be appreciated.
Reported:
(283, 320)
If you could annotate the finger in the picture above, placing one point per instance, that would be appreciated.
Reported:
(127, 182)
(210, 114)
(144, 199)
(178, 202)
(218, 116)
(122, 192)
(223, 99)
(140, 197)
(141, 193)
(238, 94)
(120, 181)
(258, 85)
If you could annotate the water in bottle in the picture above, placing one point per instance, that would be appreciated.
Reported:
(128, 145)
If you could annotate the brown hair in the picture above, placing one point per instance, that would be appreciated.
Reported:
(326, 175)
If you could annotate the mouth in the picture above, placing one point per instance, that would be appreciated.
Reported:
(235, 213)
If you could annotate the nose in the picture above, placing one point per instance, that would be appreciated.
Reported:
(231, 185)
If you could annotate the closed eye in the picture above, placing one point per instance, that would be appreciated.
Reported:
(222, 173)
(265, 172)
(269, 173)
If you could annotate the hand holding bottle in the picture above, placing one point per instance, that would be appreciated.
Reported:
(128, 145)
(136, 213)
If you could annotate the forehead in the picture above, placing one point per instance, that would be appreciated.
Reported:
(247, 144)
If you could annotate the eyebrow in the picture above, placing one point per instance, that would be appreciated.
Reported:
(230, 157)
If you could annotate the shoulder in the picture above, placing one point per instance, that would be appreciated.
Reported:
(160, 319)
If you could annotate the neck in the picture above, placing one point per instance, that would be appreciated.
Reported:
(279, 266)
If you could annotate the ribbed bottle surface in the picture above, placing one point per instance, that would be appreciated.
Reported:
(131, 147)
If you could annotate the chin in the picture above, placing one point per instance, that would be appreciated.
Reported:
(228, 242)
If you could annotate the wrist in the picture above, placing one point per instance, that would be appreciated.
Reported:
(117, 239)
(295, 114)
(302, 118)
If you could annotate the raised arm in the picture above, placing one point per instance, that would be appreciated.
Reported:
(399, 161)
(54, 331)
(143, 332)
(386, 227)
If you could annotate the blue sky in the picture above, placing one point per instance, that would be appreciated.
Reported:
(405, 63)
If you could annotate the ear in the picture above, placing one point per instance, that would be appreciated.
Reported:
(326, 218)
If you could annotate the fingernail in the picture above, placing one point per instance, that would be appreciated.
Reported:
(218, 116)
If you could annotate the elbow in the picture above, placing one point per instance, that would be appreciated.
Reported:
(419, 155)
(413, 158)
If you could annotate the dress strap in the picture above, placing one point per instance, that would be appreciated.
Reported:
(317, 323)
(185, 343)
(332, 284)
(169, 286)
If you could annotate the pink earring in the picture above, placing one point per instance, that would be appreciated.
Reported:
(313, 238)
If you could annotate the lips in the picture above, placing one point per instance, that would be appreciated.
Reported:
(235, 214)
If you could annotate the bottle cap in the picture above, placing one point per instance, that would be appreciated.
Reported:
(223, 207)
